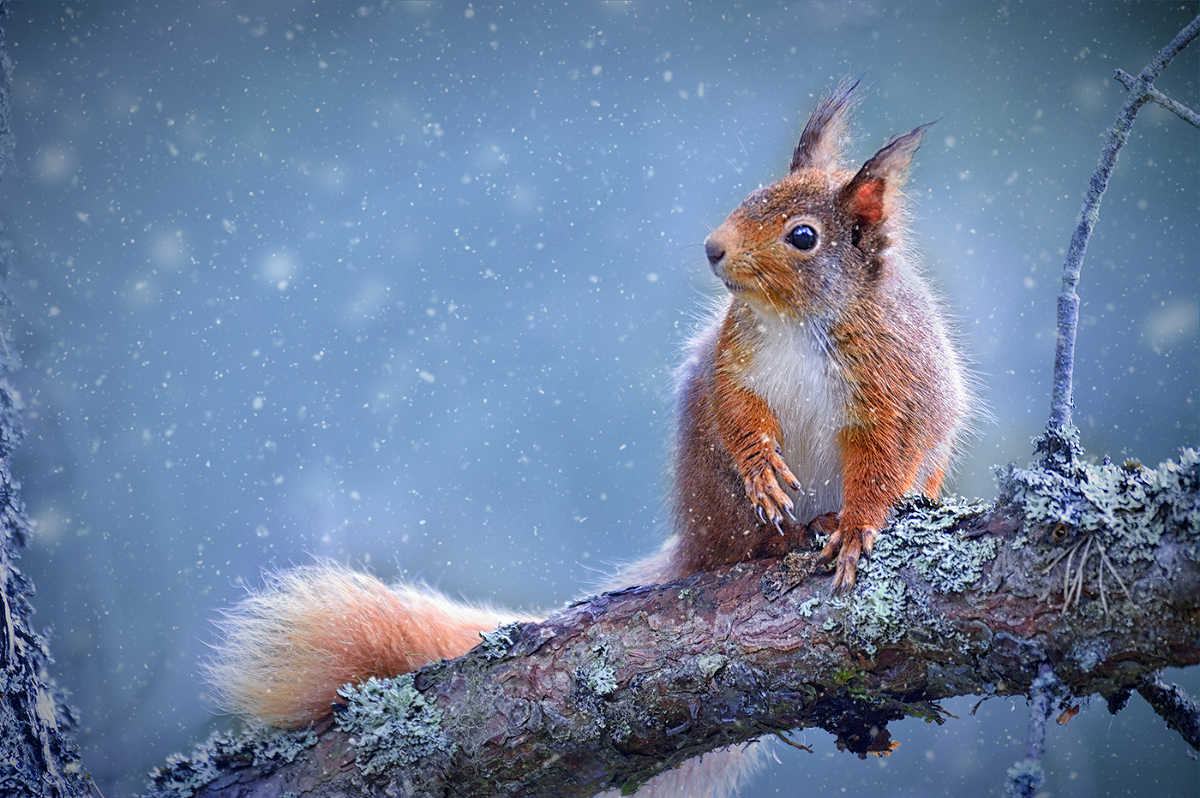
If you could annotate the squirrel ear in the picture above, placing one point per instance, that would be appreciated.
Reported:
(869, 195)
(820, 144)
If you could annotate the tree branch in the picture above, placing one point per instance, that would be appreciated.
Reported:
(958, 599)
(1179, 109)
(1174, 706)
(1026, 777)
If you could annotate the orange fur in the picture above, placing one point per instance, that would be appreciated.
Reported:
(287, 648)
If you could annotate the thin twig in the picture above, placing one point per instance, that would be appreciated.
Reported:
(1067, 574)
(1057, 559)
(1068, 301)
(1174, 706)
(1074, 575)
(792, 743)
(1083, 558)
(1025, 779)
(1157, 97)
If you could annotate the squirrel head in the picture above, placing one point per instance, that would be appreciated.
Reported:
(802, 246)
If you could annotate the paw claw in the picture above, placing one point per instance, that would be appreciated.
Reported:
(765, 475)
(849, 545)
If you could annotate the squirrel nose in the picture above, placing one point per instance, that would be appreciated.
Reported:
(714, 250)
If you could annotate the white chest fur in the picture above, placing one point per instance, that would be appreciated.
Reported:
(794, 372)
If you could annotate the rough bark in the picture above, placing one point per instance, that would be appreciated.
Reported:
(1097, 576)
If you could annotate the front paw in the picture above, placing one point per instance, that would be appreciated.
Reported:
(764, 479)
(848, 544)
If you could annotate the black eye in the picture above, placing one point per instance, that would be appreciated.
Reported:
(803, 237)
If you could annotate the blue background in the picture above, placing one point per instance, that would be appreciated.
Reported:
(403, 285)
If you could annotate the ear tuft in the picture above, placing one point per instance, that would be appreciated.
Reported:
(820, 145)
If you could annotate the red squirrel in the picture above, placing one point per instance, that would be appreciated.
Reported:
(825, 389)
(829, 387)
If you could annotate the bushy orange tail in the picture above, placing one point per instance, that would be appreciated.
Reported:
(286, 649)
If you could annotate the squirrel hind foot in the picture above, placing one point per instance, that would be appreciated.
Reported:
(848, 546)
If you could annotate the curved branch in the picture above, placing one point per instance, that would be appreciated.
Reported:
(958, 599)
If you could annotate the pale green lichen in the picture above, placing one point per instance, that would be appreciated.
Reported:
(182, 776)
(711, 663)
(1126, 508)
(498, 641)
(281, 745)
(595, 681)
(392, 723)
(877, 612)
(806, 608)
(922, 539)
(1024, 778)
(602, 679)
(597, 677)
